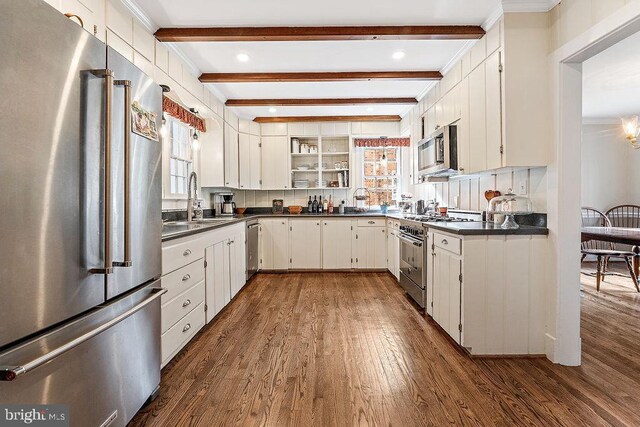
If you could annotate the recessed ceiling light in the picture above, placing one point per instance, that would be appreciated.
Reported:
(398, 55)
(272, 110)
(242, 57)
(369, 109)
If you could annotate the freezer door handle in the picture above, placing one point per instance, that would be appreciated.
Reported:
(107, 75)
(10, 373)
(126, 84)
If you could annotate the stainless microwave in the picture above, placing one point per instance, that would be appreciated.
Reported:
(438, 153)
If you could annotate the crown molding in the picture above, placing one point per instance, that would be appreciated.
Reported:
(140, 14)
(493, 18)
(528, 5)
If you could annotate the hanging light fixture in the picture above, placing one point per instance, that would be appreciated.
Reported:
(631, 130)
(385, 160)
(195, 144)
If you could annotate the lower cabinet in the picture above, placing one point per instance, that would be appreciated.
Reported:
(487, 292)
(308, 243)
(393, 248)
(370, 247)
(201, 273)
(274, 244)
(336, 244)
(305, 237)
(225, 267)
(447, 270)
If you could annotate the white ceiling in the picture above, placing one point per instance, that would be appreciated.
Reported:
(238, 13)
(420, 55)
(611, 81)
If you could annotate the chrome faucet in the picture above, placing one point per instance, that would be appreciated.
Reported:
(193, 177)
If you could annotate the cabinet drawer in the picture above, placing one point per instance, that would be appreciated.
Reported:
(181, 305)
(182, 279)
(371, 222)
(179, 254)
(180, 333)
(448, 243)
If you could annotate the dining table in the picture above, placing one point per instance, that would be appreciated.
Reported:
(620, 235)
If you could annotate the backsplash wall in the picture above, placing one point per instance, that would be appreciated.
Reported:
(467, 192)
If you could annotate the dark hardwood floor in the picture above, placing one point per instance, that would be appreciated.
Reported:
(335, 349)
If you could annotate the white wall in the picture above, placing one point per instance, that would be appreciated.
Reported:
(609, 167)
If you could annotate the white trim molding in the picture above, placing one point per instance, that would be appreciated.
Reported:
(528, 5)
(137, 12)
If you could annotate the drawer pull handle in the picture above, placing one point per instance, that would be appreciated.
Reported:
(186, 277)
(445, 242)
(186, 327)
(186, 303)
(187, 252)
(372, 222)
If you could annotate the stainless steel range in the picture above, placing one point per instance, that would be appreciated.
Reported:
(413, 260)
(414, 249)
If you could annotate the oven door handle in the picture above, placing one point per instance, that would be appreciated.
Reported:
(410, 240)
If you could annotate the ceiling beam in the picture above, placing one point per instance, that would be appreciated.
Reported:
(371, 118)
(320, 101)
(318, 77)
(267, 34)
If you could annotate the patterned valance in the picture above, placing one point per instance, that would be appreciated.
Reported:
(382, 142)
(176, 110)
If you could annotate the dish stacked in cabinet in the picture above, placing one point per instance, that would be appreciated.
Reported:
(183, 306)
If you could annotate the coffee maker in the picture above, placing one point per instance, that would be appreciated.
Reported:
(224, 203)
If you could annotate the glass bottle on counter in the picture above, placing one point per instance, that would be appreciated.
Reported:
(309, 205)
(330, 205)
(320, 205)
(314, 205)
(325, 205)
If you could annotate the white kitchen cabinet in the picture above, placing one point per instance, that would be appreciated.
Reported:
(231, 177)
(237, 259)
(244, 160)
(336, 244)
(225, 267)
(274, 243)
(217, 278)
(305, 244)
(447, 270)
(393, 248)
(485, 292)
(212, 154)
(273, 129)
(255, 162)
(275, 165)
(464, 138)
(371, 247)
(493, 88)
(477, 120)
(92, 14)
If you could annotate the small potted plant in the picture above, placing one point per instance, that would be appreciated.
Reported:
(384, 207)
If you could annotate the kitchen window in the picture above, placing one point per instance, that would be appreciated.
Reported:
(181, 156)
(381, 174)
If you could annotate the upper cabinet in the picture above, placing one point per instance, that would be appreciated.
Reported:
(88, 13)
(491, 96)
(275, 168)
(231, 176)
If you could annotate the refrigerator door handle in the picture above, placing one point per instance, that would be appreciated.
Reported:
(107, 75)
(10, 373)
(126, 84)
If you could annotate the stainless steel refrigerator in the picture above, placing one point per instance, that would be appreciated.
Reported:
(80, 220)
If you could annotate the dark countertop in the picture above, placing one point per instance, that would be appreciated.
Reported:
(180, 229)
(486, 229)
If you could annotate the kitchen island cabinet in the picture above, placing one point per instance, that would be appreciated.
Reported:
(487, 291)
